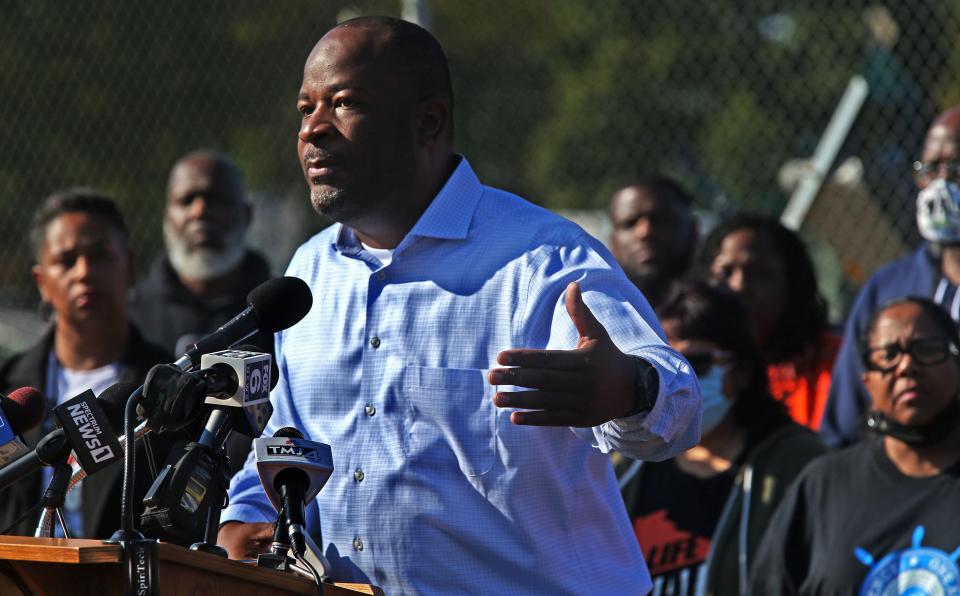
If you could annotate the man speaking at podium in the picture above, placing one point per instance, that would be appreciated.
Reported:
(450, 478)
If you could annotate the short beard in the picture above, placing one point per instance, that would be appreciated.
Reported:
(203, 263)
(326, 201)
(337, 204)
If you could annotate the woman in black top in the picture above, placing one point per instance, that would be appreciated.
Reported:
(881, 517)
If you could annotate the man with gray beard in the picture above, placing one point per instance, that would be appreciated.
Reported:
(203, 279)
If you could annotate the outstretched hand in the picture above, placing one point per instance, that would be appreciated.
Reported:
(586, 386)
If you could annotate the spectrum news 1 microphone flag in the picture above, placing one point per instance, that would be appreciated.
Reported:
(85, 430)
(89, 432)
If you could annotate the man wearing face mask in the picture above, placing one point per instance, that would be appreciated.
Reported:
(932, 271)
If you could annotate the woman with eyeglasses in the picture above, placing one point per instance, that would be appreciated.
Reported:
(699, 517)
(882, 516)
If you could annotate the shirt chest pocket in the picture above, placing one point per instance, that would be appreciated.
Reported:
(452, 408)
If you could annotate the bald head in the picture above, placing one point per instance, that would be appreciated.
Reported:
(216, 166)
(949, 119)
(940, 147)
(412, 51)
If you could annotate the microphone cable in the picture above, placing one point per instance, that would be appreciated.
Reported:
(316, 576)
(126, 499)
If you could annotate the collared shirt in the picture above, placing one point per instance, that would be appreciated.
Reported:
(434, 490)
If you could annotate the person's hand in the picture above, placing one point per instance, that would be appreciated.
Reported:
(587, 386)
(245, 541)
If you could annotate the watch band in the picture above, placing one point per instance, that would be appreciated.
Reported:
(647, 388)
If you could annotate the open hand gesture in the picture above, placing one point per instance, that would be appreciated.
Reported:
(586, 386)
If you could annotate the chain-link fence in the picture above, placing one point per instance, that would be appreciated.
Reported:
(558, 100)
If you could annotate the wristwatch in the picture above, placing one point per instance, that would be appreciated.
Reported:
(647, 388)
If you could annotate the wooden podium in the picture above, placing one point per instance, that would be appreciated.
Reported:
(54, 566)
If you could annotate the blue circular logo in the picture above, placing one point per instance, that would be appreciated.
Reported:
(914, 571)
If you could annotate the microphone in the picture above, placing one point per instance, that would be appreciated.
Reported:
(23, 410)
(246, 372)
(186, 493)
(84, 430)
(88, 431)
(274, 305)
(112, 401)
(292, 471)
(237, 378)
(234, 379)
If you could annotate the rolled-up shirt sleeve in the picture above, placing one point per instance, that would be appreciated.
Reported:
(671, 427)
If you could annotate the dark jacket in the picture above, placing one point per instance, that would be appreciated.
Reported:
(101, 493)
(761, 481)
(913, 275)
(166, 311)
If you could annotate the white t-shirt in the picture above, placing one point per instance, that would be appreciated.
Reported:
(384, 255)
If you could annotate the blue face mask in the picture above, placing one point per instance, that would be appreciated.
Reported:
(715, 404)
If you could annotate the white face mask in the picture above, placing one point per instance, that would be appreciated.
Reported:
(715, 404)
(938, 212)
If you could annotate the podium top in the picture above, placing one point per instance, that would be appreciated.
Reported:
(85, 552)
(58, 550)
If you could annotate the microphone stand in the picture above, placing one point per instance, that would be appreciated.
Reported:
(277, 558)
(78, 473)
(214, 434)
(52, 501)
(127, 533)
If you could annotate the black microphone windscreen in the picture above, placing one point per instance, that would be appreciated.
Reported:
(274, 369)
(280, 303)
(288, 432)
(25, 408)
(113, 400)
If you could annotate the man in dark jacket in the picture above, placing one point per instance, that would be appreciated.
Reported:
(203, 279)
(83, 272)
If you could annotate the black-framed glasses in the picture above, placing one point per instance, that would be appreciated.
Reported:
(925, 351)
(702, 362)
(928, 170)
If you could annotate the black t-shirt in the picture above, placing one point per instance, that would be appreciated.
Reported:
(852, 523)
(675, 517)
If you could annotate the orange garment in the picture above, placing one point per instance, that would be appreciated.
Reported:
(803, 384)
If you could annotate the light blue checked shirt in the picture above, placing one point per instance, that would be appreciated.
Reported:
(435, 491)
